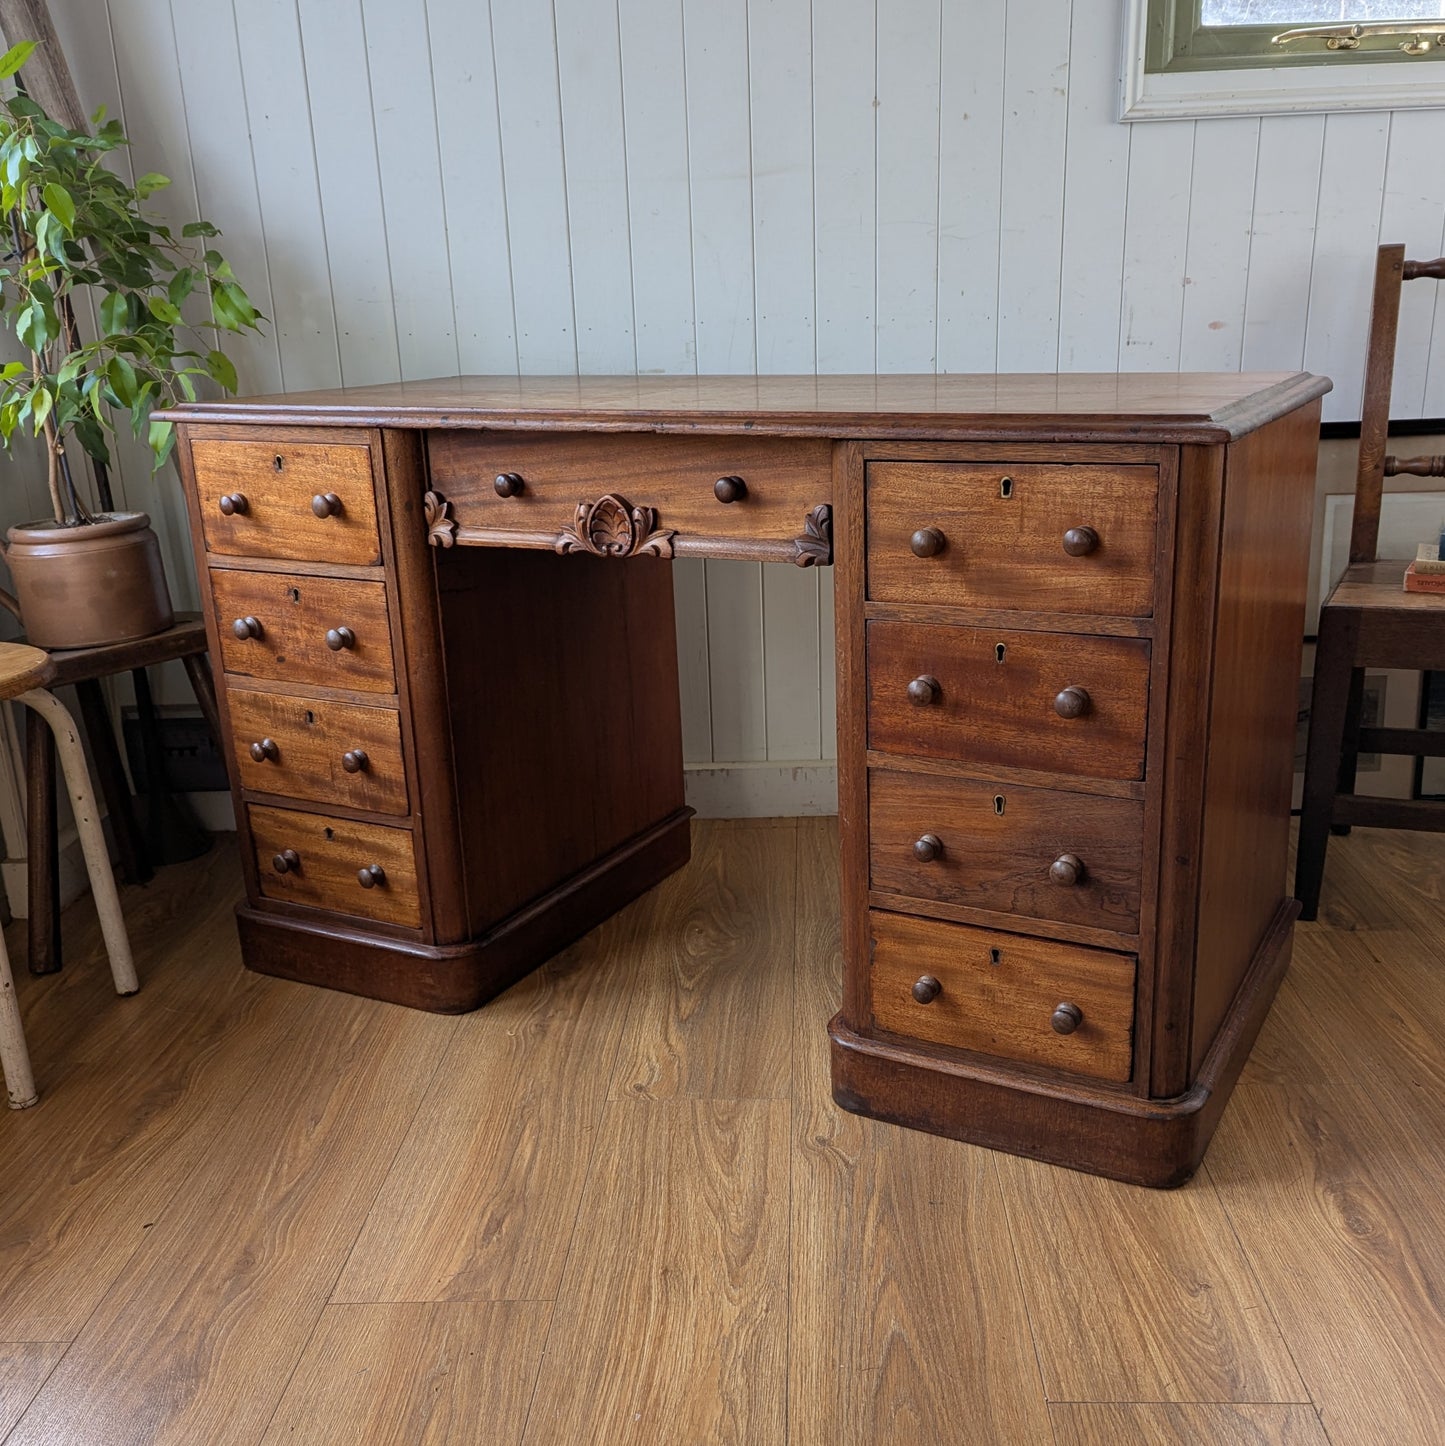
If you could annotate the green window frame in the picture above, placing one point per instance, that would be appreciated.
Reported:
(1178, 41)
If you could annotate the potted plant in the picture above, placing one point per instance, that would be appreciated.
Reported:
(81, 244)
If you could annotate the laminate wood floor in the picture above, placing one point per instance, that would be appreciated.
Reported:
(618, 1205)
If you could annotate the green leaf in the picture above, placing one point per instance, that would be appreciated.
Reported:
(182, 284)
(40, 403)
(115, 313)
(163, 310)
(122, 379)
(15, 57)
(59, 200)
(199, 228)
(151, 182)
(218, 365)
(162, 440)
(13, 369)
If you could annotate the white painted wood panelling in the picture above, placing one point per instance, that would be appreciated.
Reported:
(414, 187)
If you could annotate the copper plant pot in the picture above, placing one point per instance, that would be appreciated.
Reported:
(101, 582)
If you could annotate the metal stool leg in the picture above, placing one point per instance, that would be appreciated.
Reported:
(92, 840)
(14, 1057)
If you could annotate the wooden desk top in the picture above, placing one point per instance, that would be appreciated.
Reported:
(1208, 407)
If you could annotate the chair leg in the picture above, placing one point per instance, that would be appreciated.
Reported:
(132, 862)
(14, 1057)
(1329, 705)
(42, 864)
(1350, 747)
(92, 840)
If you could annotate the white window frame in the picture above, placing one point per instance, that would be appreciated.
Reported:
(1297, 90)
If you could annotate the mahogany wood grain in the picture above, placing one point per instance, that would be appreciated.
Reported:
(1196, 407)
(250, 506)
(783, 481)
(1375, 403)
(295, 614)
(993, 710)
(1001, 528)
(683, 1335)
(999, 991)
(443, 1373)
(1254, 708)
(583, 651)
(331, 851)
(1001, 860)
(313, 738)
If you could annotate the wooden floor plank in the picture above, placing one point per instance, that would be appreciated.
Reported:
(24, 1366)
(1186, 1321)
(671, 1324)
(907, 1323)
(481, 1200)
(1169, 1424)
(196, 1338)
(435, 1374)
(710, 1016)
(1329, 1159)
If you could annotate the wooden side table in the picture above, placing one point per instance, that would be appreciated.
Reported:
(185, 641)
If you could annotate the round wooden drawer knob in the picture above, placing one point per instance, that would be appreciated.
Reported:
(339, 638)
(1066, 869)
(509, 484)
(265, 751)
(372, 876)
(927, 989)
(288, 861)
(928, 848)
(1072, 703)
(247, 628)
(354, 760)
(729, 489)
(927, 542)
(326, 504)
(1080, 541)
(924, 690)
(1066, 1018)
(233, 504)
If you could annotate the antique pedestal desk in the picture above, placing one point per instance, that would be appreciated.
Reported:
(1069, 617)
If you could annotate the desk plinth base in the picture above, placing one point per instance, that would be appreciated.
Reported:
(1062, 1120)
(455, 978)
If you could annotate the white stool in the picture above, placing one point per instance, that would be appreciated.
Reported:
(24, 671)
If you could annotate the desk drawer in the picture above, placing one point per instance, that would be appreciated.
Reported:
(776, 482)
(1001, 994)
(1037, 852)
(318, 750)
(1056, 701)
(311, 501)
(310, 859)
(1064, 538)
(274, 625)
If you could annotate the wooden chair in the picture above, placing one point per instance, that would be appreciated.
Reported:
(1369, 621)
(24, 673)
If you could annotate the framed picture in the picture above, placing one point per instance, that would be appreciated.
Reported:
(1432, 715)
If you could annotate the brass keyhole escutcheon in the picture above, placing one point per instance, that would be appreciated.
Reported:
(294, 593)
(999, 803)
(1006, 487)
(1000, 652)
(279, 462)
(995, 956)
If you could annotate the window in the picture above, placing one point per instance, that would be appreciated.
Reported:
(1221, 57)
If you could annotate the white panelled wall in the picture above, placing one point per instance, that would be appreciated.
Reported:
(413, 188)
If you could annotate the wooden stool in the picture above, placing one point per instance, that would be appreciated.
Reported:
(184, 641)
(24, 674)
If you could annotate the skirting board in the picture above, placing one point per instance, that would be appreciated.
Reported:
(761, 790)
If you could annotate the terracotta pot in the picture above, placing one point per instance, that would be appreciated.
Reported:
(82, 586)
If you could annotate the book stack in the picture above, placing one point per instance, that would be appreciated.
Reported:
(1427, 572)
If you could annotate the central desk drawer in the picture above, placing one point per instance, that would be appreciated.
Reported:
(1038, 852)
(774, 484)
(318, 750)
(1064, 538)
(1058, 1005)
(318, 861)
(309, 501)
(326, 631)
(1052, 701)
